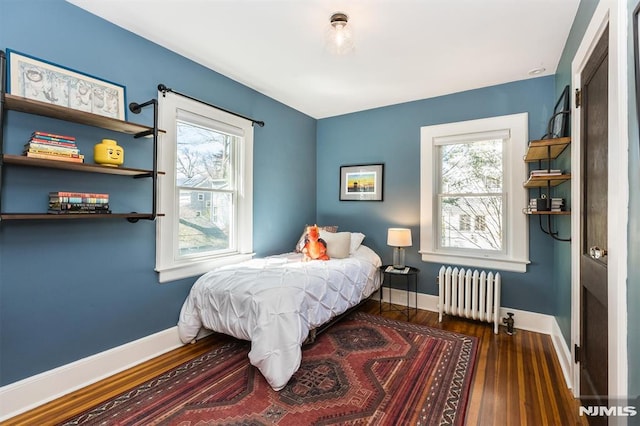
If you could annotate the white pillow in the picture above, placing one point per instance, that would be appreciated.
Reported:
(356, 240)
(338, 243)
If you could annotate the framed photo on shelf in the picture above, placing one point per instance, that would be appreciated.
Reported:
(361, 182)
(559, 123)
(46, 82)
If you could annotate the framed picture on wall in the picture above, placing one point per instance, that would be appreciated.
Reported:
(361, 182)
(44, 81)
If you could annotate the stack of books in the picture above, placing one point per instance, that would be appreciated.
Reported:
(78, 203)
(557, 204)
(546, 172)
(533, 205)
(53, 147)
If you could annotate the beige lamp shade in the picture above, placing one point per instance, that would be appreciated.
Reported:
(399, 237)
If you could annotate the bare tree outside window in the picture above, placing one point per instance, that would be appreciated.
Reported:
(204, 177)
(470, 186)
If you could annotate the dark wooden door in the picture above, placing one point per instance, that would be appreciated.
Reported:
(593, 259)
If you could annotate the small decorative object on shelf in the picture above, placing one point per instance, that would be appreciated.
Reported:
(542, 203)
(108, 153)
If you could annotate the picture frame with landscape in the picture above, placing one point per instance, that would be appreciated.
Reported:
(361, 182)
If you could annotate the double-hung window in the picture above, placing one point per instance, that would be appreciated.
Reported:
(206, 191)
(472, 195)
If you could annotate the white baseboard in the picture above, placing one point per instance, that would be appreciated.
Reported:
(18, 397)
(564, 354)
(24, 395)
(524, 320)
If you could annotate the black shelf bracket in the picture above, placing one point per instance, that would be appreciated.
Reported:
(3, 79)
(548, 231)
(550, 135)
(136, 108)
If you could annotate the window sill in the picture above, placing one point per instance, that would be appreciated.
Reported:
(192, 269)
(502, 264)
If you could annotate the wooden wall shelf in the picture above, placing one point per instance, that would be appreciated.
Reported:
(543, 151)
(29, 106)
(43, 109)
(45, 216)
(545, 181)
(546, 149)
(22, 160)
(545, 213)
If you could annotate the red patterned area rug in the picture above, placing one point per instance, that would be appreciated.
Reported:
(366, 369)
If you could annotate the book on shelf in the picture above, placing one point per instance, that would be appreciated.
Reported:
(52, 148)
(51, 143)
(54, 157)
(394, 270)
(556, 205)
(78, 211)
(78, 194)
(79, 198)
(58, 153)
(545, 172)
(78, 207)
(52, 136)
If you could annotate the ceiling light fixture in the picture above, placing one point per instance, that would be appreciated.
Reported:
(537, 71)
(339, 36)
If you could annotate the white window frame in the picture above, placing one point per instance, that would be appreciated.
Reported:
(515, 256)
(168, 265)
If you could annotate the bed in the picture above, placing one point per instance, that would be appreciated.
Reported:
(276, 301)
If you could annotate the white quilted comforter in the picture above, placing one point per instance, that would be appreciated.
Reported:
(275, 301)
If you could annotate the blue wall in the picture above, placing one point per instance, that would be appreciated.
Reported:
(391, 135)
(72, 289)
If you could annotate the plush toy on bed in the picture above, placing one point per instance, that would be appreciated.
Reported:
(315, 248)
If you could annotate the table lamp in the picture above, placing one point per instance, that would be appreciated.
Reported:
(399, 238)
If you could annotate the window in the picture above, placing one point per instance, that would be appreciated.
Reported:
(472, 194)
(206, 191)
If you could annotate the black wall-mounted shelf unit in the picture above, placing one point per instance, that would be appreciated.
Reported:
(9, 102)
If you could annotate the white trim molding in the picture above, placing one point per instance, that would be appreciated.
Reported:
(24, 395)
(514, 131)
(611, 14)
(525, 320)
(171, 265)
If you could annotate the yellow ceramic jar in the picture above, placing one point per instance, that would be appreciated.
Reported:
(108, 153)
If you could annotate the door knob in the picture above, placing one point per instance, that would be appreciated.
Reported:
(596, 252)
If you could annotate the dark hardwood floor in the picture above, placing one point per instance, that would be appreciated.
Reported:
(518, 380)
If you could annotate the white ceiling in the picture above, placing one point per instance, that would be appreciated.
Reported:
(405, 49)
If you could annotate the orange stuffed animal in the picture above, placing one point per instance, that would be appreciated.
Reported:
(314, 246)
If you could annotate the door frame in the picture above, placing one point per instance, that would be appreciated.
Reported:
(614, 14)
